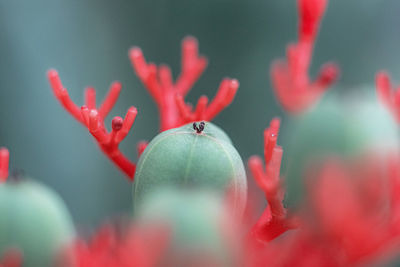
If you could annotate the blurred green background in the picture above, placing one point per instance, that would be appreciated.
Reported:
(88, 42)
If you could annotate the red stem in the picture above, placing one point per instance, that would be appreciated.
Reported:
(110, 100)
(4, 161)
(387, 94)
(274, 221)
(290, 77)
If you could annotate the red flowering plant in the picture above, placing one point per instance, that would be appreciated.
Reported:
(190, 187)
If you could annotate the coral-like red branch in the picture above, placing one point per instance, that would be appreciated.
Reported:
(204, 111)
(387, 94)
(274, 220)
(4, 159)
(93, 118)
(169, 95)
(290, 78)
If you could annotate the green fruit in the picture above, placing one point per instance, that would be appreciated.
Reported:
(185, 158)
(196, 223)
(338, 127)
(34, 220)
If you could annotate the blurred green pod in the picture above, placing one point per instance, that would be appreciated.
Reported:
(346, 126)
(34, 220)
(200, 229)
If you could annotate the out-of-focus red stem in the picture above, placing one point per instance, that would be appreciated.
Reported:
(290, 78)
(184, 110)
(4, 160)
(93, 119)
(169, 95)
(11, 258)
(394, 185)
(119, 247)
(193, 65)
(274, 220)
(270, 138)
(310, 13)
(201, 107)
(388, 94)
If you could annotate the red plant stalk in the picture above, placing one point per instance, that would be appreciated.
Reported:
(274, 220)
(92, 118)
(11, 258)
(4, 159)
(290, 79)
(387, 94)
(394, 180)
(169, 95)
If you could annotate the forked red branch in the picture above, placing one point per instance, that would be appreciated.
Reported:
(290, 78)
(169, 95)
(93, 119)
(4, 159)
(388, 95)
(274, 220)
(204, 111)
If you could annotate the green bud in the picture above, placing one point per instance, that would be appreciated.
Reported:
(34, 220)
(345, 127)
(188, 157)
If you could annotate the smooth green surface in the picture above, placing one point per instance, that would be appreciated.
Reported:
(35, 220)
(182, 158)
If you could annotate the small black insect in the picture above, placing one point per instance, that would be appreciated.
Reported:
(199, 128)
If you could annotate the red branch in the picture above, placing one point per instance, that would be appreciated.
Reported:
(290, 78)
(93, 118)
(4, 159)
(274, 220)
(169, 95)
(388, 95)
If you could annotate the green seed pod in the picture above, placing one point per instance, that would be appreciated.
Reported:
(344, 127)
(200, 231)
(34, 220)
(191, 157)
